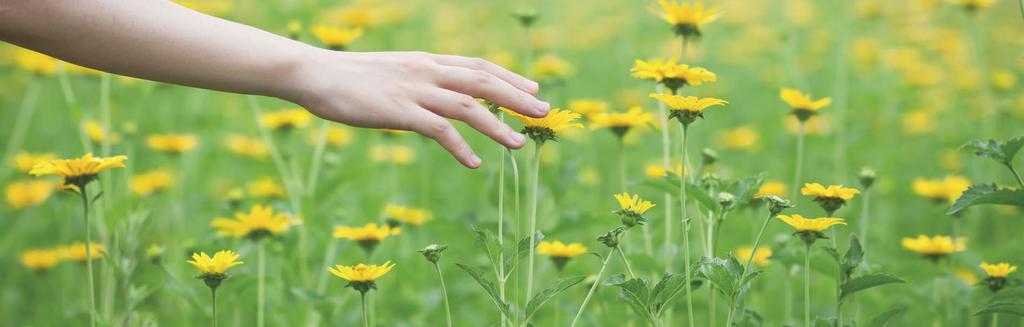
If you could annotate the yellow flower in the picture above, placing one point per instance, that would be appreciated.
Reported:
(946, 189)
(672, 74)
(286, 119)
(771, 188)
(687, 17)
(972, 5)
(588, 107)
(760, 256)
(546, 128)
(76, 252)
(801, 224)
(633, 203)
(79, 171)
(968, 277)
(361, 272)
(831, 192)
(251, 147)
(398, 154)
(28, 193)
(369, 232)
(404, 214)
(149, 182)
(934, 247)
(216, 265)
(24, 161)
(35, 62)
(1003, 79)
(336, 136)
(687, 103)
(621, 122)
(550, 66)
(658, 170)
(172, 143)
(265, 188)
(337, 38)
(260, 221)
(802, 102)
(741, 138)
(40, 260)
(999, 270)
(918, 122)
(559, 249)
(97, 133)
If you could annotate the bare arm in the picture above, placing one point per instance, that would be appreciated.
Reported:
(162, 41)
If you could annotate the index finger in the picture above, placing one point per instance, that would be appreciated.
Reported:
(508, 76)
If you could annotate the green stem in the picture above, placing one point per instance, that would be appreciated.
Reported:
(799, 160)
(88, 255)
(686, 227)
(757, 242)
(444, 294)
(318, 153)
(666, 153)
(626, 262)
(213, 303)
(807, 286)
(502, 278)
(1014, 171)
(839, 280)
(597, 281)
(516, 230)
(995, 320)
(366, 317)
(261, 276)
(865, 218)
(533, 217)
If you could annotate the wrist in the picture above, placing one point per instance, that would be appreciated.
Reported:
(291, 77)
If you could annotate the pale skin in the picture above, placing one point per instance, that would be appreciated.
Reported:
(162, 41)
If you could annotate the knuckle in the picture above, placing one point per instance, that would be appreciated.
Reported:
(480, 64)
(481, 78)
(439, 127)
(467, 103)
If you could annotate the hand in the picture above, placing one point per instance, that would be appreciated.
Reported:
(416, 91)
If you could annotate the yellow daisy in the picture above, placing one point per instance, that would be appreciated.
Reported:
(24, 161)
(218, 264)
(588, 107)
(936, 247)
(79, 171)
(265, 188)
(999, 270)
(76, 252)
(760, 257)
(40, 260)
(172, 143)
(632, 209)
(687, 18)
(810, 230)
(25, 194)
(687, 109)
(259, 222)
(547, 127)
(943, 190)
(336, 38)
(395, 214)
(830, 198)
(152, 181)
(559, 252)
(622, 122)
(286, 119)
(803, 106)
(251, 147)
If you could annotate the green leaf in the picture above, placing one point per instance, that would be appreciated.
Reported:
(1000, 151)
(724, 274)
(664, 291)
(864, 282)
(882, 319)
(637, 295)
(522, 249)
(1002, 307)
(489, 287)
(853, 257)
(486, 241)
(670, 185)
(548, 293)
(745, 188)
(987, 194)
(1009, 294)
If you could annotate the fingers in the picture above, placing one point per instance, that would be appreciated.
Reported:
(481, 84)
(433, 126)
(506, 75)
(463, 107)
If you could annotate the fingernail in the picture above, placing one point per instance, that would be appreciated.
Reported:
(474, 160)
(532, 86)
(543, 107)
(517, 138)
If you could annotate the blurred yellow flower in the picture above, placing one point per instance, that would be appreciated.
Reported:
(588, 107)
(407, 215)
(621, 122)
(1004, 80)
(740, 138)
(172, 143)
(800, 101)
(35, 62)
(947, 189)
(152, 181)
(934, 247)
(97, 133)
(813, 125)
(79, 171)
(687, 103)
(589, 176)
(398, 154)
(336, 38)
(76, 252)
(771, 188)
(550, 66)
(361, 272)
(968, 277)
(918, 122)
(286, 119)
(999, 270)
(218, 264)
(687, 18)
(546, 128)
(657, 170)
(40, 260)
(265, 188)
(559, 249)
(25, 194)
(24, 161)
(760, 257)
(251, 147)
(368, 232)
(817, 225)
(337, 136)
(259, 222)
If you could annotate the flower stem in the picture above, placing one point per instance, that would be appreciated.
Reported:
(88, 254)
(865, 218)
(1015, 174)
(213, 303)
(597, 281)
(516, 230)
(366, 317)
(807, 286)
(533, 217)
(686, 227)
(318, 153)
(261, 276)
(799, 159)
(501, 228)
(626, 262)
(995, 320)
(839, 280)
(444, 294)
(666, 162)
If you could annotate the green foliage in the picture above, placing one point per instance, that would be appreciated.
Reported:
(1000, 151)
(489, 288)
(1008, 300)
(647, 302)
(726, 274)
(867, 281)
(882, 319)
(987, 194)
(544, 295)
(670, 185)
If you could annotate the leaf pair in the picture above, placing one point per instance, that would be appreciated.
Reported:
(727, 275)
(648, 302)
(533, 305)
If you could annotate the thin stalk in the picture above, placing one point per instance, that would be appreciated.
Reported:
(23, 121)
(840, 92)
(839, 280)
(1015, 174)
(865, 218)
(757, 242)
(995, 320)
(685, 226)
(533, 217)
(501, 225)
(626, 262)
(807, 286)
(444, 294)
(799, 159)
(318, 153)
(213, 303)
(261, 276)
(593, 288)
(366, 317)
(517, 222)
(88, 255)
(666, 162)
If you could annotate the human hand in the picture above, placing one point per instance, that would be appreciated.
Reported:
(415, 91)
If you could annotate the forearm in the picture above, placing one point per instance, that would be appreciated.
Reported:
(156, 40)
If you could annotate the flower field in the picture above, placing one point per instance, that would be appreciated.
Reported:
(715, 163)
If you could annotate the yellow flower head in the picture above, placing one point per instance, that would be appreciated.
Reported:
(550, 66)
(172, 143)
(287, 119)
(76, 252)
(35, 62)
(621, 122)
(28, 193)
(588, 107)
(831, 192)
(251, 147)
(149, 182)
(934, 247)
(24, 161)
(817, 225)
(946, 189)
(369, 232)
(97, 133)
(999, 270)
(687, 103)
(633, 203)
(760, 257)
(803, 106)
(404, 214)
(672, 74)
(741, 138)
(771, 188)
(546, 128)
(265, 188)
(362, 277)
(559, 249)
(259, 222)
(657, 170)
(80, 171)
(216, 265)
(336, 38)
(687, 18)
(40, 260)
(336, 136)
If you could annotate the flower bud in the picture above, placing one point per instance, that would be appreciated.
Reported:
(867, 177)
(433, 252)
